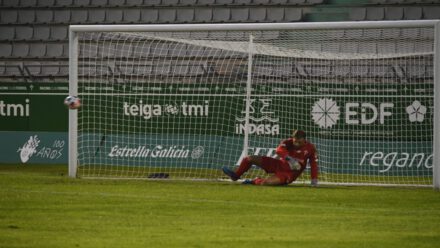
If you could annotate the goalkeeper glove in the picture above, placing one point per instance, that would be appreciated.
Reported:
(314, 182)
(293, 163)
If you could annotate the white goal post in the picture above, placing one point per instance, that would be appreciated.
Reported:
(182, 101)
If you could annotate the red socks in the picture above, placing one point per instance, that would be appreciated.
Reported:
(245, 165)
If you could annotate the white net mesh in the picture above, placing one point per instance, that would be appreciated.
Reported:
(173, 103)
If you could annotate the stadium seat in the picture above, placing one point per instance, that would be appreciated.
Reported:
(331, 47)
(20, 50)
(149, 15)
(405, 47)
(81, 3)
(159, 50)
(27, 3)
(203, 15)
(221, 14)
(43, 16)
(292, 14)
(167, 15)
(224, 2)
(386, 48)
(132, 16)
(88, 50)
(125, 69)
(45, 3)
(381, 71)
(8, 16)
(367, 47)
(10, 3)
(79, 16)
(395, 1)
(298, 2)
(55, 50)
(14, 70)
(415, 71)
(144, 69)
(394, 13)
(59, 33)
(266, 35)
(196, 70)
(412, 13)
(278, 2)
(24, 33)
(426, 33)
(257, 14)
(398, 71)
(275, 14)
(341, 71)
(37, 50)
(64, 3)
(357, 14)
(141, 51)
(180, 70)
(206, 2)
(302, 70)
(390, 33)
(41, 33)
(282, 71)
(375, 13)
(123, 51)
(64, 70)
(424, 47)
(106, 50)
(113, 16)
(96, 16)
(185, 15)
(321, 71)
(239, 15)
(237, 35)
(359, 71)
(7, 33)
(61, 16)
(200, 35)
(116, 3)
(431, 12)
(152, 2)
(134, 3)
(170, 2)
(5, 50)
(161, 69)
(98, 3)
(33, 68)
(2, 68)
(187, 2)
(194, 51)
(372, 34)
(50, 69)
(260, 2)
(26, 16)
(314, 1)
(263, 70)
(408, 33)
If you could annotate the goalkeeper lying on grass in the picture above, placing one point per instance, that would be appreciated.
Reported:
(294, 154)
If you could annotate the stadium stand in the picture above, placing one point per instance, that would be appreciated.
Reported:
(34, 33)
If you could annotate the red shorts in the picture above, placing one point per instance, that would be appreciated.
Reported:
(280, 168)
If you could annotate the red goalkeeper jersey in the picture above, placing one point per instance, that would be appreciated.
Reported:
(304, 154)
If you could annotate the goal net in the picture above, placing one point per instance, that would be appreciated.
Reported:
(184, 101)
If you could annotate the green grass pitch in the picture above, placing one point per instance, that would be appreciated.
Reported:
(41, 207)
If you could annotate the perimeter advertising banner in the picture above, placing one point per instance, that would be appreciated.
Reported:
(358, 128)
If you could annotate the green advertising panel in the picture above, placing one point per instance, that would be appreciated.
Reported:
(356, 129)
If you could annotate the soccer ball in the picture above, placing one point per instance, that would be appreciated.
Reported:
(72, 102)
